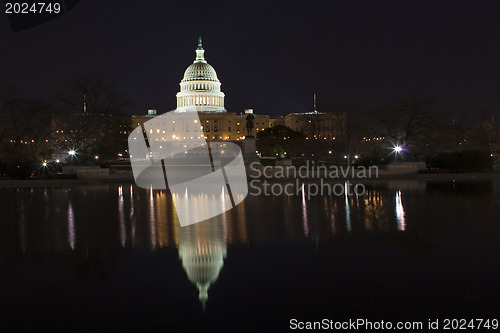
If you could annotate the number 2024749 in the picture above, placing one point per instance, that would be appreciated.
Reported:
(32, 8)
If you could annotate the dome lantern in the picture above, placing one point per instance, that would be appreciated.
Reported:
(200, 52)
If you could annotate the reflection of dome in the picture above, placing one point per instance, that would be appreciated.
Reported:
(202, 250)
(200, 87)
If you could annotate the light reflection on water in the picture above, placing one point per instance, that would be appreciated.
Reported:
(135, 217)
(58, 221)
(400, 212)
(305, 222)
(71, 226)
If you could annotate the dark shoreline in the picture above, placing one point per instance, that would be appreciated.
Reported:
(128, 179)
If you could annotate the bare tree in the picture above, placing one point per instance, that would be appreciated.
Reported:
(483, 134)
(25, 130)
(91, 119)
(405, 120)
(92, 92)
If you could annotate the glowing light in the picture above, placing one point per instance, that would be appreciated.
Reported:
(72, 152)
(398, 149)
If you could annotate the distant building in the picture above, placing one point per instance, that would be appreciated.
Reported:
(276, 120)
(317, 125)
(200, 91)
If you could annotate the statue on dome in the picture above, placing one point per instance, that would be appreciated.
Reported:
(250, 119)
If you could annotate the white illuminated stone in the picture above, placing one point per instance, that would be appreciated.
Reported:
(200, 87)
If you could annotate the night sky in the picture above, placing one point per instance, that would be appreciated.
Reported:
(270, 56)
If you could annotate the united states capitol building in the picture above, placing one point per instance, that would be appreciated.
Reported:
(200, 91)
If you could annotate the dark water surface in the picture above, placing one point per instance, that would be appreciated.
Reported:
(112, 257)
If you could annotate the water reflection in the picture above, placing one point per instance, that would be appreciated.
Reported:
(332, 216)
(202, 250)
(304, 212)
(117, 253)
(71, 226)
(375, 211)
(152, 220)
(347, 211)
(127, 216)
(132, 216)
(121, 216)
(22, 219)
(400, 212)
(98, 218)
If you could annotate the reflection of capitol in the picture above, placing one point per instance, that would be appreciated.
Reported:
(147, 219)
(133, 217)
(202, 246)
(202, 249)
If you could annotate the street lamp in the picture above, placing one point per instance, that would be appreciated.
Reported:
(397, 149)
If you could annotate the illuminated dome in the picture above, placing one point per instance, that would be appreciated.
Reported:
(200, 87)
(200, 71)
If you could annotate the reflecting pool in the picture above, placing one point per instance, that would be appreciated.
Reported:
(110, 257)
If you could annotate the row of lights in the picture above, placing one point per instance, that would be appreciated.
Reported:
(71, 153)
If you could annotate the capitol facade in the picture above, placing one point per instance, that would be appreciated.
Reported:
(200, 91)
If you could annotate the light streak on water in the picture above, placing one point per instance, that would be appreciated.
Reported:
(304, 212)
(347, 210)
(71, 227)
(121, 216)
(400, 213)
